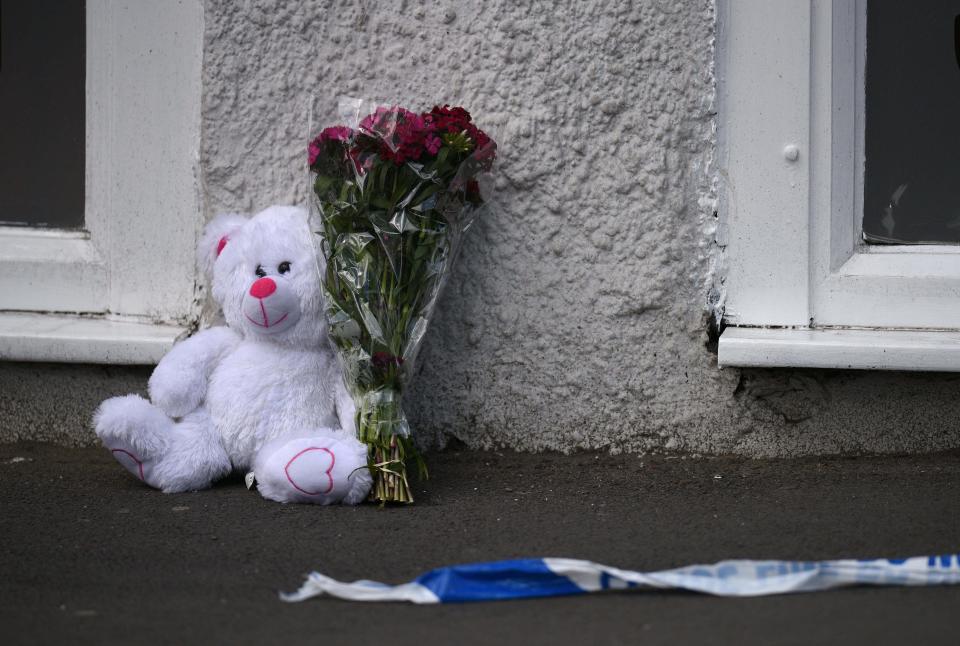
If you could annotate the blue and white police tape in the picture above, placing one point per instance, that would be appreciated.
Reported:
(553, 577)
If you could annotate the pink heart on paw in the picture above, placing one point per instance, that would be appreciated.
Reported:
(308, 469)
(124, 457)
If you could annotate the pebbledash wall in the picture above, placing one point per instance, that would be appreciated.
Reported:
(580, 314)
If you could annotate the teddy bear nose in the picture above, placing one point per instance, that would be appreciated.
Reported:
(263, 288)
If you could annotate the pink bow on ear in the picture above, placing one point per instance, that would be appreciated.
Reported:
(221, 245)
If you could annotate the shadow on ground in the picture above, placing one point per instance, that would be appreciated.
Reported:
(89, 555)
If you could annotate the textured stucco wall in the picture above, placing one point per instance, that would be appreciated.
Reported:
(578, 315)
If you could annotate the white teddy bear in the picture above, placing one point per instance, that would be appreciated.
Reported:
(265, 391)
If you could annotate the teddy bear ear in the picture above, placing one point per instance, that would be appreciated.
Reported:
(215, 237)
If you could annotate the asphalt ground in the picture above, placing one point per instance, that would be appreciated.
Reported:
(89, 555)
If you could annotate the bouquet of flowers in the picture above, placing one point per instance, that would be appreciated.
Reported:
(394, 197)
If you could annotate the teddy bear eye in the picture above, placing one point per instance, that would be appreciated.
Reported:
(284, 267)
(260, 272)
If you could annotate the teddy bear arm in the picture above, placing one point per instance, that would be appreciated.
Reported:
(179, 383)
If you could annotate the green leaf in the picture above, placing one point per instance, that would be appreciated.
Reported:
(381, 202)
(321, 184)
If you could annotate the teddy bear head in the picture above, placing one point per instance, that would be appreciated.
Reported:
(264, 274)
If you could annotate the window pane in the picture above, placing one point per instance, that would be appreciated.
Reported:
(912, 138)
(42, 116)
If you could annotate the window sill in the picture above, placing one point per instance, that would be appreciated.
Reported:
(26, 336)
(840, 348)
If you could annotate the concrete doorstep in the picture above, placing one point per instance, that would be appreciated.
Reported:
(89, 555)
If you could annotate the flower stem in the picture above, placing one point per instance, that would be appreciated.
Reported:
(383, 427)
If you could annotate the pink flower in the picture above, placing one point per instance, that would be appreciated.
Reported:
(432, 143)
(313, 151)
(383, 122)
(333, 134)
(336, 133)
(456, 119)
(399, 135)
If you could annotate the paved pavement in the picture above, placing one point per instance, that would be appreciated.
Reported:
(88, 555)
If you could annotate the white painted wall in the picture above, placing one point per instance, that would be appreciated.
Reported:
(131, 271)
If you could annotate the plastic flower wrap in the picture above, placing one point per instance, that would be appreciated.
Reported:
(394, 197)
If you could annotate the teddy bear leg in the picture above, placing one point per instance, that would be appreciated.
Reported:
(323, 468)
(195, 458)
(135, 432)
(167, 455)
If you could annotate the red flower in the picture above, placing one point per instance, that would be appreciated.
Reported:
(401, 135)
(480, 138)
(432, 143)
(313, 151)
(332, 135)
(447, 119)
(336, 133)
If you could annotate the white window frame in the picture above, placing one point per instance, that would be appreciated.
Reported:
(125, 287)
(803, 289)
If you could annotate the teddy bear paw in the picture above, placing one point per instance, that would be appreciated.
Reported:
(133, 431)
(321, 470)
(174, 401)
(132, 461)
